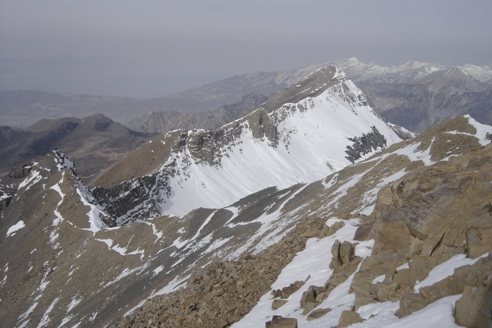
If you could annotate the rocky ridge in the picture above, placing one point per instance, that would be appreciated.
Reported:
(440, 214)
(158, 122)
(323, 119)
(76, 272)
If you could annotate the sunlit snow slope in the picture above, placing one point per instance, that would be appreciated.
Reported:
(300, 141)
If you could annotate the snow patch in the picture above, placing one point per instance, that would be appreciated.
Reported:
(446, 269)
(16, 227)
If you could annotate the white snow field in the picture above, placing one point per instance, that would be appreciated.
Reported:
(312, 138)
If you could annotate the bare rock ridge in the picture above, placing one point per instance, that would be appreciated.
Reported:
(326, 242)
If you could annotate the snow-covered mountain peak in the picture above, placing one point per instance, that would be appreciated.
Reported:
(302, 133)
(481, 73)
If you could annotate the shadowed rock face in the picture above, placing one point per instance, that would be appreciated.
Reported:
(365, 144)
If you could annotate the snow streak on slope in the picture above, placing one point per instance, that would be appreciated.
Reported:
(309, 142)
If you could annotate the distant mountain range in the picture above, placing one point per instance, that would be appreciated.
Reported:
(415, 95)
(95, 142)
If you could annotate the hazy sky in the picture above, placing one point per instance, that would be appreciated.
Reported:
(152, 48)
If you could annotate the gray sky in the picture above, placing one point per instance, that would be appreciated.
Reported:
(153, 48)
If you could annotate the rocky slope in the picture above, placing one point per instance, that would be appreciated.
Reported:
(349, 269)
(321, 253)
(94, 142)
(316, 126)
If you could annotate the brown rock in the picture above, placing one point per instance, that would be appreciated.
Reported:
(311, 298)
(431, 244)
(349, 318)
(409, 303)
(342, 253)
(318, 313)
(363, 231)
(405, 278)
(280, 322)
(474, 308)
(385, 233)
(289, 290)
(436, 291)
(387, 292)
(479, 236)
(278, 303)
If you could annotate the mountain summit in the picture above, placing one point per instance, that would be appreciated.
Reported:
(300, 134)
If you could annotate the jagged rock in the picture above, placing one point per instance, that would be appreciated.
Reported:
(319, 230)
(474, 308)
(20, 173)
(362, 233)
(437, 291)
(261, 126)
(431, 244)
(387, 292)
(276, 304)
(334, 227)
(349, 318)
(318, 313)
(420, 266)
(409, 303)
(342, 253)
(280, 322)
(344, 263)
(289, 290)
(405, 277)
(479, 236)
(471, 275)
(312, 297)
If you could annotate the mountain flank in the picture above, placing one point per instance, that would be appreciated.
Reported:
(323, 250)
(95, 142)
(158, 122)
(316, 126)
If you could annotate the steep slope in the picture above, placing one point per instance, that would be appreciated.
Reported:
(317, 126)
(60, 266)
(433, 192)
(94, 142)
